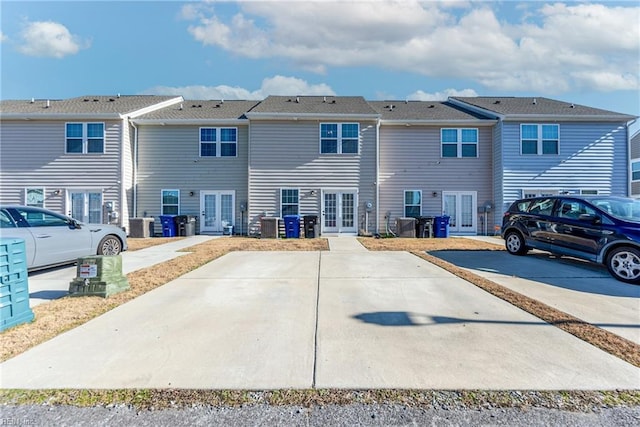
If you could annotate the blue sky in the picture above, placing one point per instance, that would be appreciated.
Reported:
(586, 53)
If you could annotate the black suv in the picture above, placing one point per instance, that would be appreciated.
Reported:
(601, 229)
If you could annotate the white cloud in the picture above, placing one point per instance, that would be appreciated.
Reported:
(3, 37)
(440, 96)
(277, 85)
(549, 48)
(49, 39)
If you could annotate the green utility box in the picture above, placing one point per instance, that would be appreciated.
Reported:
(14, 284)
(99, 275)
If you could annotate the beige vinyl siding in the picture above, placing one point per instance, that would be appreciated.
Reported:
(169, 158)
(410, 159)
(32, 154)
(286, 154)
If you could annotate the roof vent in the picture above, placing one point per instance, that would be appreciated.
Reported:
(181, 107)
(431, 106)
(324, 99)
(48, 104)
(221, 101)
(118, 95)
(297, 99)
(96, 100)
(572, 106)
(33, 100)
(390, 107)
(333, 101)
(85, 100)
(111, 99)
(497, 101)
(535, 101)
(217, 106)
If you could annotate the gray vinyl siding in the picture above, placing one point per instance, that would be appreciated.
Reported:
(169, 158)
(499, 207)
(32, 154)
(286, 154)
(410, 159)
(592, 156)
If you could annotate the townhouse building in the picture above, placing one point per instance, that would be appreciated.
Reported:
(357, 165)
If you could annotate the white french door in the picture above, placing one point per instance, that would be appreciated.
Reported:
(217, 210)
(461, 207)
(86, 206)
(340, 212)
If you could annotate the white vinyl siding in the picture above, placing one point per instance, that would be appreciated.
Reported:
(539, 139)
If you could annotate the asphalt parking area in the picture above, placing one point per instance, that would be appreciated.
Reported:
(579, 288)
(265, 320)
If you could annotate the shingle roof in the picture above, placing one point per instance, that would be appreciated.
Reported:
(427, 111)
(315, 105)
(83, 105)
(201, 110)
(536, 106)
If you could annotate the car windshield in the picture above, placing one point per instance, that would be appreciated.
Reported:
(625, 209)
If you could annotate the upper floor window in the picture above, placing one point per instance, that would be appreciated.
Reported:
(34, 197)
(539, 139)
(218, 142)
(170, 202)
(459, 142)
(412, 203)
(289, 201)
(339, 138)
(635, 170)
(84, 138)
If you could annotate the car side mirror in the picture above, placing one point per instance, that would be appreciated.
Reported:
(73, 224)
(593, 219)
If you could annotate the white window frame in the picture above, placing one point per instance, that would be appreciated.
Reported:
(339, 138)
(27, 202)
(218, 142)
(540, 140)
(404, 201)
(162, 204)
(85, 137)
(635, 162)
(297, 204)
(459, 143)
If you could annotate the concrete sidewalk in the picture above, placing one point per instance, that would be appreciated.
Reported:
(53, 283)
(337, 319)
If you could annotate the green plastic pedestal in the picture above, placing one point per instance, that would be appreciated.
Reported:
(99, 275)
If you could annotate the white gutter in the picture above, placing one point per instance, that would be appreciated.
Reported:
(162, 122)
(418, 122)
(312, 116)
(135, 170)
(121, 189)
(629, 159)
(378, 176)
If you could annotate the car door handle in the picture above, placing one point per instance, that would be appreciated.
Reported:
(43, 236)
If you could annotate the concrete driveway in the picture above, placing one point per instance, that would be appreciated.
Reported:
(346, 318)
(584, 290)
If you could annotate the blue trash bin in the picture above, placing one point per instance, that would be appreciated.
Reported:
(291, 226)
(441, 226)
(168, 225)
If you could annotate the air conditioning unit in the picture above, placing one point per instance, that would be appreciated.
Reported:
(269, 228)
(406, 227)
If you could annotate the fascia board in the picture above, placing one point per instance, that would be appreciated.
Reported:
(478, 123)
(566, 118)
(311, 116)
(199, 122)
(60, 116)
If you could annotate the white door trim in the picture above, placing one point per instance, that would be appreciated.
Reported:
(340, 228)
(457, 225)
(218, 224)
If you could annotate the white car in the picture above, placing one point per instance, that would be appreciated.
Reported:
(54, 239)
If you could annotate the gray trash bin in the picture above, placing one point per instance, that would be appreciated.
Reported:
(141, 227)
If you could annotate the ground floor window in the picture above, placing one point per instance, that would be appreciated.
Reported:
(412, 203)
(289, 201)
(34, 197)
(170, 202)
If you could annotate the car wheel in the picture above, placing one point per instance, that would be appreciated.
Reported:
(109, 245)
(514, 242)
(624, 264)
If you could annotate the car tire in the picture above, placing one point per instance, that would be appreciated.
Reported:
(624, 264)
(110, 245)
(514, 243)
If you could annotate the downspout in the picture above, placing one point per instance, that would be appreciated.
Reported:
(378, 176)
(629, 167)
(121, 190)
(135, 170)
